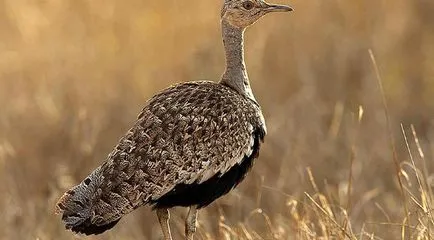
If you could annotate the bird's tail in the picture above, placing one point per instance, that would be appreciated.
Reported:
(78, 205)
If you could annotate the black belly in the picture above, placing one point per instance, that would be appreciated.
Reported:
(202, 194)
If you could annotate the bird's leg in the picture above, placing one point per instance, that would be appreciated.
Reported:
(190, 223)
(163, 217)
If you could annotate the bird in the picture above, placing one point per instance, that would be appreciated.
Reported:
(191, 144)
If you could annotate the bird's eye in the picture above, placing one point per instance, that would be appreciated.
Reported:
(248, 5)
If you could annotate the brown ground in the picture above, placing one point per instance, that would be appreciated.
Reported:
(75, 73)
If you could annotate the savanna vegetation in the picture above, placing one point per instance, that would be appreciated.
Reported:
(347, 89)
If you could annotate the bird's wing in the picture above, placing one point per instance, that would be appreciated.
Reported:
(196, 131)
(187, 133)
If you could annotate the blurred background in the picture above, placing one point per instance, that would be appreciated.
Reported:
(74, 75)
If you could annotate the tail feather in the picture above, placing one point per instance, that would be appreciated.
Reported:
(88, 228)
(78, 206)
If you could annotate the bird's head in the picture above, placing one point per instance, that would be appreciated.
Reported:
(242, 13)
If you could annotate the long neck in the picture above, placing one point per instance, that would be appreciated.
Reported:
(235, 74)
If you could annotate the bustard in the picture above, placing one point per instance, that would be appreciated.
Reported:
(192, 143)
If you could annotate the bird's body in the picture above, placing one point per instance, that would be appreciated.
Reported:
(192, 143)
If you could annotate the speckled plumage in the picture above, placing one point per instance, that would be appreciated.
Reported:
(191, 144)
(186, 134)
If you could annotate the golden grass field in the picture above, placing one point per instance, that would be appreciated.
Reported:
(74, 75)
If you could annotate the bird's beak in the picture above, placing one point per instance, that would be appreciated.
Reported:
(276, 8)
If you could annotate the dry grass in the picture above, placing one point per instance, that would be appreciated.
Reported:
(75, 73)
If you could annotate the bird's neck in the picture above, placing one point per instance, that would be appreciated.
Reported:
(235, 75)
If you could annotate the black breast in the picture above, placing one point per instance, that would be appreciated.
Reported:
(202, 194)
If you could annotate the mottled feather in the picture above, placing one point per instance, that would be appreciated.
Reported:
(186, 134)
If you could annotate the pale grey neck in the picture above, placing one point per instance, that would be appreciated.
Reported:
(235, 74)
